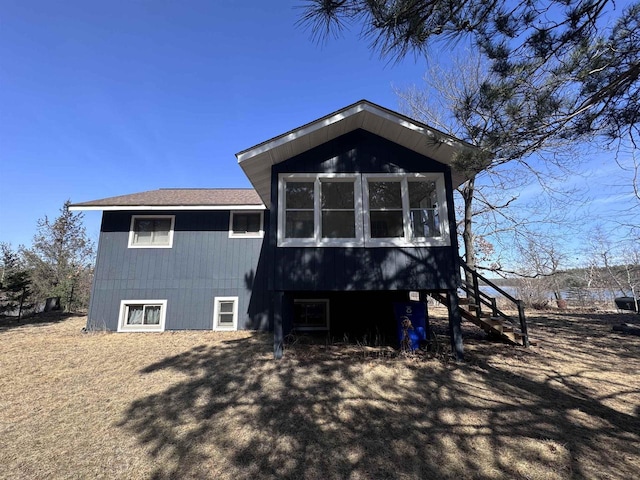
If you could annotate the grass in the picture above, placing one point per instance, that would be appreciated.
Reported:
(199, 405)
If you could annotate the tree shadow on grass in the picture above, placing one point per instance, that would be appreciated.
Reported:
(237, 413)
(38, 319)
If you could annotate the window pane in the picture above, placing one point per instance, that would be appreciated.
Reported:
(337, 195)
(422, 194)
(425, 223)
(162, 225)
(134, 315)
(338, 224)
(161, 237)
(385, 224)
(151, 231)
(423, 201)
(299, 195)
(299, 225)
(246, 222)
(310, 314)
(226, 307)
(152, 315)
(225, 319)
(385, 195)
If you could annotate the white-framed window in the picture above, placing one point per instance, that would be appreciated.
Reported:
(142, 315)
(311, 314)
(225, 313)
(370, 210)
(151, 231)
(320, 209)
(405, 210)
(246, 224)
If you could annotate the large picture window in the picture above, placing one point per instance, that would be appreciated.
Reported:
(367, 210)
(142, 315)
(151, 231)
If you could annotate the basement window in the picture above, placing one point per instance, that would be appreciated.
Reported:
(142, 315)
(311, 314)
(225, 313)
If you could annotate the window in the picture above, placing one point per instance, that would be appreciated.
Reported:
(320, 209)
(405, 210)
(246, 224)
(225, 313)
(142, 315)
(369, 210)
(151, 231)
(311, 314)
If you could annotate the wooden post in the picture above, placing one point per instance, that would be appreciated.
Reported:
(455, 325)
(476, 295)
(523, 324)
(278, 337)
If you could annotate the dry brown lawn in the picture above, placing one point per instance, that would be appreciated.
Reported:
(206, 405)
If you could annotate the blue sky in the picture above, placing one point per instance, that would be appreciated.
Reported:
(107, 98)
(99, 99)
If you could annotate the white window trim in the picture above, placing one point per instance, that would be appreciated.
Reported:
(314, 300)
(216, 312)
(444, 240)
(123, 327)
(132, 233)
(317, 240)
(258, 234)
(363, 233)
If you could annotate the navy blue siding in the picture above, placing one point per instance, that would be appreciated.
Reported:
(364, 269)
(333, 269)
(202, 264)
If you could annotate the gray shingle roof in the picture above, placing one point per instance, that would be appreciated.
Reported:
(179, 197)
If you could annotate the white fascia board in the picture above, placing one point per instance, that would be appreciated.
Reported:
(170, 207)
(299, 133)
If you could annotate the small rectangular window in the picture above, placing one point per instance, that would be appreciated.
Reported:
(142, 315)
(311, 314)
(151, 231)
(246, 224)
(225, 313)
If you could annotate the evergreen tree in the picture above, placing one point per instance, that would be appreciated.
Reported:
(566, 69)
(15, 282)
(61, 259)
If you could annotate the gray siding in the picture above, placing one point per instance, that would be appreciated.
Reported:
(202, 264)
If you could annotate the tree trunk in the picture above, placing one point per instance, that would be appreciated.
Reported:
(467, 232)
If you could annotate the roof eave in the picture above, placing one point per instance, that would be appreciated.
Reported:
(80, 206)
(257, 161)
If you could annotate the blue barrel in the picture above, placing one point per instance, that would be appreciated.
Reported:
(412, 324)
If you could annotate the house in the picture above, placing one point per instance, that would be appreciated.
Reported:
(348, 215)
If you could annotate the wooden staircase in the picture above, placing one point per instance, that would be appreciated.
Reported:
(481, 309)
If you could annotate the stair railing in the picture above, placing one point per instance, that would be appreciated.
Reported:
(481, 298)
